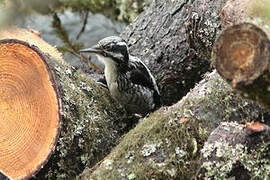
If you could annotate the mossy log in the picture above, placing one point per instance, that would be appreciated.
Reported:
(167, 144)
(236, 151)
(37, 91)
(242, 56)
(164, 37)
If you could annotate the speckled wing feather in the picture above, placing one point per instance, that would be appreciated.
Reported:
(141, 75)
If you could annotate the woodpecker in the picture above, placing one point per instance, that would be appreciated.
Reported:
(128, 79)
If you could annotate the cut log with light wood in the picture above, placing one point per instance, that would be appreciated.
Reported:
(54, 121)
(241, 55)
(29, 109)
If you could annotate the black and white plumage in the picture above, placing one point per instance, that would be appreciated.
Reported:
(129, 80)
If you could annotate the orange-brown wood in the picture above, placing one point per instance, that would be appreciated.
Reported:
(29, 110)
(241, 53)
(255, 126)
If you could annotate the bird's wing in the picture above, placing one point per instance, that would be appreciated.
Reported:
(140, 74)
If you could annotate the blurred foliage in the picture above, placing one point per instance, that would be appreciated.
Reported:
(121, 10)
(260, 8)
(91, 5)
(130, 9)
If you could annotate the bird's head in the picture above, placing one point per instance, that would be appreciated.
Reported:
(111, 48)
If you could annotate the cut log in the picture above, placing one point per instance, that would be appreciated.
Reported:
(29, 110)
(36, 91)
(241, 55)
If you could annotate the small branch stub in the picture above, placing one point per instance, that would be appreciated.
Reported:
(241, 55)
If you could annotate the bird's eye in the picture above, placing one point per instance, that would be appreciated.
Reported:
(107, 46)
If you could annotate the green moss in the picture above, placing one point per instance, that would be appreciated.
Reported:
(92, 123)
(159, 147)
(217, 103)
(167, 144)
(222, 157)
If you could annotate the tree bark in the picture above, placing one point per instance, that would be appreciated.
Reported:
(241, 56)
(166, 37)
(167, 144)
(236, 151)
(92, 123)
(80, 96)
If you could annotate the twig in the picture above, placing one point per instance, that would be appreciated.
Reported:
(70, 47)
(84, 25)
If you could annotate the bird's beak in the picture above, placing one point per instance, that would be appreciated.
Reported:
(94, 49)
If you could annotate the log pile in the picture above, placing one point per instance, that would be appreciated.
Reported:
(167, 144)
(51, 112)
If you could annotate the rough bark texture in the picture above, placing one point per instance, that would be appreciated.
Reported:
(236, 151)
(204, 24)
(167, 144)
(92, 123)
(167, 37)
(91, 119)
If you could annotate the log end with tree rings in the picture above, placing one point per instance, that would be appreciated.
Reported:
(241, 53)
(29, 109)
